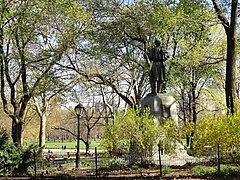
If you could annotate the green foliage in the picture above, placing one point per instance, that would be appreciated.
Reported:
(139, 129)
(166, 170)
(15, 160)
(170, 135)
(10, 159)
(203, 170)
(230, 169)
(118, 163)
(138, 134)
(219, 130)
(135, 167)
(3, 138)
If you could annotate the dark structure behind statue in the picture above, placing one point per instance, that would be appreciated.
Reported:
(157, 57)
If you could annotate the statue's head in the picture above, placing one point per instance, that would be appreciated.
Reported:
(157, 42)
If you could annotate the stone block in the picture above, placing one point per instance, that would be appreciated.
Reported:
(163, 106)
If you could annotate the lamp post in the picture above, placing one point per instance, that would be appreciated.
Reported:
(78, 110)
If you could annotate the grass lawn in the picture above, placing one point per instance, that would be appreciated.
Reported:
(71, 145)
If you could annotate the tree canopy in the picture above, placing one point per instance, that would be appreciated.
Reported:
(58, 48)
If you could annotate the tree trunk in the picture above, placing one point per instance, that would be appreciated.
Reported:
(42, 130)
(231, 71)
(231, 68)
(230, 81)
(17, 131)
(87, 147)
(87, 140)
(193, 103)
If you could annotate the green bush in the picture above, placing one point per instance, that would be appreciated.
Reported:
(10, 159)
(132, 134)
(166, 170)
(118, 163)
(15, 160)
(135, 167)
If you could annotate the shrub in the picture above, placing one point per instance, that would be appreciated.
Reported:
(166, 170)
(10, 159)
(15, 160)
(118, 163)
(230, 169)
(135, 167)
(132, 134)
(218, 130)
(203, 170)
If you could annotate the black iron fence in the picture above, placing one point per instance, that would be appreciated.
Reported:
(97, 164)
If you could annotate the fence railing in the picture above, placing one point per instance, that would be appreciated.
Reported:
(96, 164)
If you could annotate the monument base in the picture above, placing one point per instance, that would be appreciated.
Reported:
(161, 105)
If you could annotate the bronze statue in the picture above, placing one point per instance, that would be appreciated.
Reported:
(157, 56)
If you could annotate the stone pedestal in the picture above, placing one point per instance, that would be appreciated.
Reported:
(163, 106)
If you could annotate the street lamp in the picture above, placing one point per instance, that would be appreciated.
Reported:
(78, 109)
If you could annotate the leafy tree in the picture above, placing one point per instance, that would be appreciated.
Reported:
(117, 49)
(34, 36)
(193, 74)
(44, 103)
(182, 26)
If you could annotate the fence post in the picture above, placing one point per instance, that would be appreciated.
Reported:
(96, 158)
(35, 163)
(218, 162)
(160, 163)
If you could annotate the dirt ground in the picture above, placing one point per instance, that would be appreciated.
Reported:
(143, 174)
